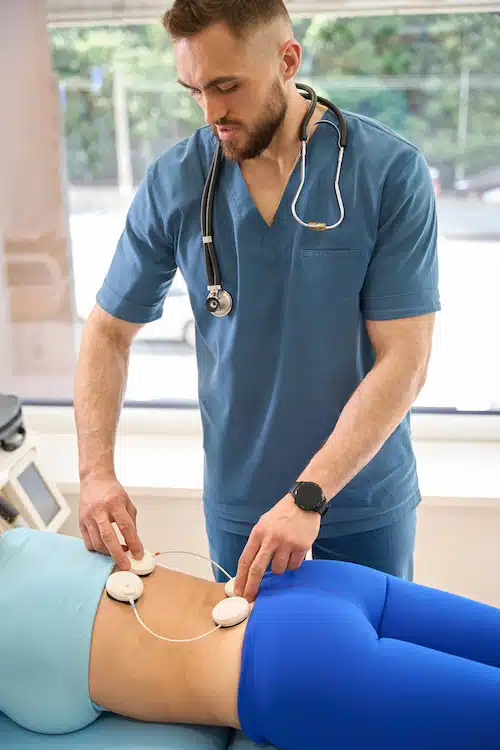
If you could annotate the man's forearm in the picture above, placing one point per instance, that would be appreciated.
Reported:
(100, 382)
(370, 416)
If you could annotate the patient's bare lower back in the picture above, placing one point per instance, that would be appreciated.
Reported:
(135, 674)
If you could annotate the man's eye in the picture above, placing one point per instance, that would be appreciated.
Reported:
(227, 89)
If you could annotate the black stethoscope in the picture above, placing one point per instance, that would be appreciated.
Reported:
(219, 302)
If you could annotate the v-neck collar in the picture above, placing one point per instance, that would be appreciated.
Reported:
(245, 205)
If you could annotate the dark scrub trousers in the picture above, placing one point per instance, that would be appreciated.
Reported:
(388, 549)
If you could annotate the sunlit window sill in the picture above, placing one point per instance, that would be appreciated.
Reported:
(161, 453)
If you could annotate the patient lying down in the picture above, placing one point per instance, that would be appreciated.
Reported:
(332, 655)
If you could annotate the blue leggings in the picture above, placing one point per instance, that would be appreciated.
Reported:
(339, 656)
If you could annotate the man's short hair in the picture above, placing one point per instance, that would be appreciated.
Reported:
(187, 18)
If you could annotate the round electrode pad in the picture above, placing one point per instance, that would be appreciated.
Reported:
(229, 587)
(231, 611)
(142, 567)
(124, 585)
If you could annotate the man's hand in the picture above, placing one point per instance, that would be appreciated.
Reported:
(284, 535)
(103, 502)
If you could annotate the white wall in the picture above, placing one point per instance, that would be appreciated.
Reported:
(458, 548)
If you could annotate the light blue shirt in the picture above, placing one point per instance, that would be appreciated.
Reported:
(49, 593)
(276, 373)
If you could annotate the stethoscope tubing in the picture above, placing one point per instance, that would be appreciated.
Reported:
(219, 301)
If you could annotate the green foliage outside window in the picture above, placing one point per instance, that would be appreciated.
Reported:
(410, 72)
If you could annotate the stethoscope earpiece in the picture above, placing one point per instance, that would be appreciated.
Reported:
(219, 302)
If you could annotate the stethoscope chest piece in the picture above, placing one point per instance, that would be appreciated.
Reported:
(219, 303)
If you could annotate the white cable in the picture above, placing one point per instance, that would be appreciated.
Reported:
(177, 640)
(164, 638)
(195, 554)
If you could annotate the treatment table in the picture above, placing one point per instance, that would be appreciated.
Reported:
(111, 732)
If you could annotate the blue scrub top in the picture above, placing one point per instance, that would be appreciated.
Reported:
(275, 374)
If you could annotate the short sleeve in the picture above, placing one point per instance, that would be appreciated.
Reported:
(143, 265)
(402, 276)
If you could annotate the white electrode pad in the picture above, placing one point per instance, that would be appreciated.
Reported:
(230, 611)
(142, 567)
(124, 586)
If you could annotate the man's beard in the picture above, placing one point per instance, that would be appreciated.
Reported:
(259, 136)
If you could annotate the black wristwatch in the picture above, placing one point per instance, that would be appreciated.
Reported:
(309, 496)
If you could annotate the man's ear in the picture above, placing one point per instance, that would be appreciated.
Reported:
(291, 55)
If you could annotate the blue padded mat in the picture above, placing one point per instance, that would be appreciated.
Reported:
(240, 741)
(112, 732)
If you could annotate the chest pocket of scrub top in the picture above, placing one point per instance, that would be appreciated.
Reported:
(331, 275)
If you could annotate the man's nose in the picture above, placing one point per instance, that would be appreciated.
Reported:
(214, 108)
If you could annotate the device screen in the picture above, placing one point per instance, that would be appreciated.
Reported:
(39, 494)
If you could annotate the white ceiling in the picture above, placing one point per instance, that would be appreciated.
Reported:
(120, 11)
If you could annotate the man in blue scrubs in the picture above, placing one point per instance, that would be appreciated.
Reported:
(311, 376)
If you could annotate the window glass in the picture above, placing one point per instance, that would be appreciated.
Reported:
(435, 79)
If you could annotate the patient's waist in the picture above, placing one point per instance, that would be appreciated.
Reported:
(135, 674)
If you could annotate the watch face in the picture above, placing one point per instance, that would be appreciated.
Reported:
(309, 495)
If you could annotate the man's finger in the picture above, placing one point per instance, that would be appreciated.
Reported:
(280, 560)
(95, 538)
(296, 560)
(111, 543)
(131, 509)
(247, 557)
(257, 571)
(86, 538)
(128, 530)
